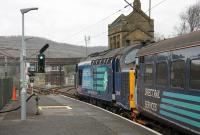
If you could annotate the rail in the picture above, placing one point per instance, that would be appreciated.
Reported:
(56, 90)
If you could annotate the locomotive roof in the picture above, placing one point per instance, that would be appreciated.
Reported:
(180, 42)
(111, 53)
(83, 63)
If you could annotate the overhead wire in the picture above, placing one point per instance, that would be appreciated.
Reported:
(87, 27)
(156, 5)
(152, 7)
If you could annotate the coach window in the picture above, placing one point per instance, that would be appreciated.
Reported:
(161, 73)
(195, 74)
(148, 74)
(178, 74)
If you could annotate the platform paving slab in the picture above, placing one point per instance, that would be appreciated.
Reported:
(60, 115)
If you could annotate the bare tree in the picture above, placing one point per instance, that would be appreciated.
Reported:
(190, 20)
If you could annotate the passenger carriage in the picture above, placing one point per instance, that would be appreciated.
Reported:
(168, 85)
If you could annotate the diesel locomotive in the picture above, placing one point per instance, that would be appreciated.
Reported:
(159, 81)
(105, 78)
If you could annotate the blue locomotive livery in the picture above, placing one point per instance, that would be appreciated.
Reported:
(104, 78)
(87, 79)
(84, 77)
(156, 83)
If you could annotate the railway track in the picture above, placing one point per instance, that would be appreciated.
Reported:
(66, 90)
(70, 92)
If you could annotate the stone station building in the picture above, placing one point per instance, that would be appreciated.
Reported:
(133, 28)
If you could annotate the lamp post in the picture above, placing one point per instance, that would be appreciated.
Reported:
(21, 61)
(22, 67)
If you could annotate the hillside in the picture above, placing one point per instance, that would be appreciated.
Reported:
(11, 45)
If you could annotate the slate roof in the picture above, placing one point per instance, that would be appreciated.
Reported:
(111, 53)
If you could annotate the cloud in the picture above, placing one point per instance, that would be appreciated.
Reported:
(63, 20)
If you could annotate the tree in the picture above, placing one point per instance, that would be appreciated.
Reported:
(190, 20)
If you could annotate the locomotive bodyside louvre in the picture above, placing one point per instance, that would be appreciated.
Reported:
(84, 78)
(102, 82)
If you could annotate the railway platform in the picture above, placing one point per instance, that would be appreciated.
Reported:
(60, 115)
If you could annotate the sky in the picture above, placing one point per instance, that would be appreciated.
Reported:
(68, 21)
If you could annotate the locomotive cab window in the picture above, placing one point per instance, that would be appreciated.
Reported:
(177, 74)
(161, 74)
(130, 57)
(195, 74)
(80, 74)
(148, 74)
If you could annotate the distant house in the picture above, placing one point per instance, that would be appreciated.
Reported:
(55, 75)
(56, 72)
(135, 27)
(57, 55)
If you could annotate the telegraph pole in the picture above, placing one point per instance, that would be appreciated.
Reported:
(87, 39)
(149, 10)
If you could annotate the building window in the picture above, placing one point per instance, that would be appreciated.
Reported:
(177, 74)
(48, 68)
(111, 45)
(118, 41)
(128, 42)
(115, 42)
(118, 37)
(195, 74)
(148, 74)
(161, 73)
(32, 67)
(111, 42)
(54, 68)
(61, 68)
(118, 45)
(57, 68)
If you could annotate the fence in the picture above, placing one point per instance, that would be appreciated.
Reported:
(5, 91)
(9, 77)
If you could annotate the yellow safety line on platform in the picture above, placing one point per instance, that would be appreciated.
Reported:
(53, 107)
